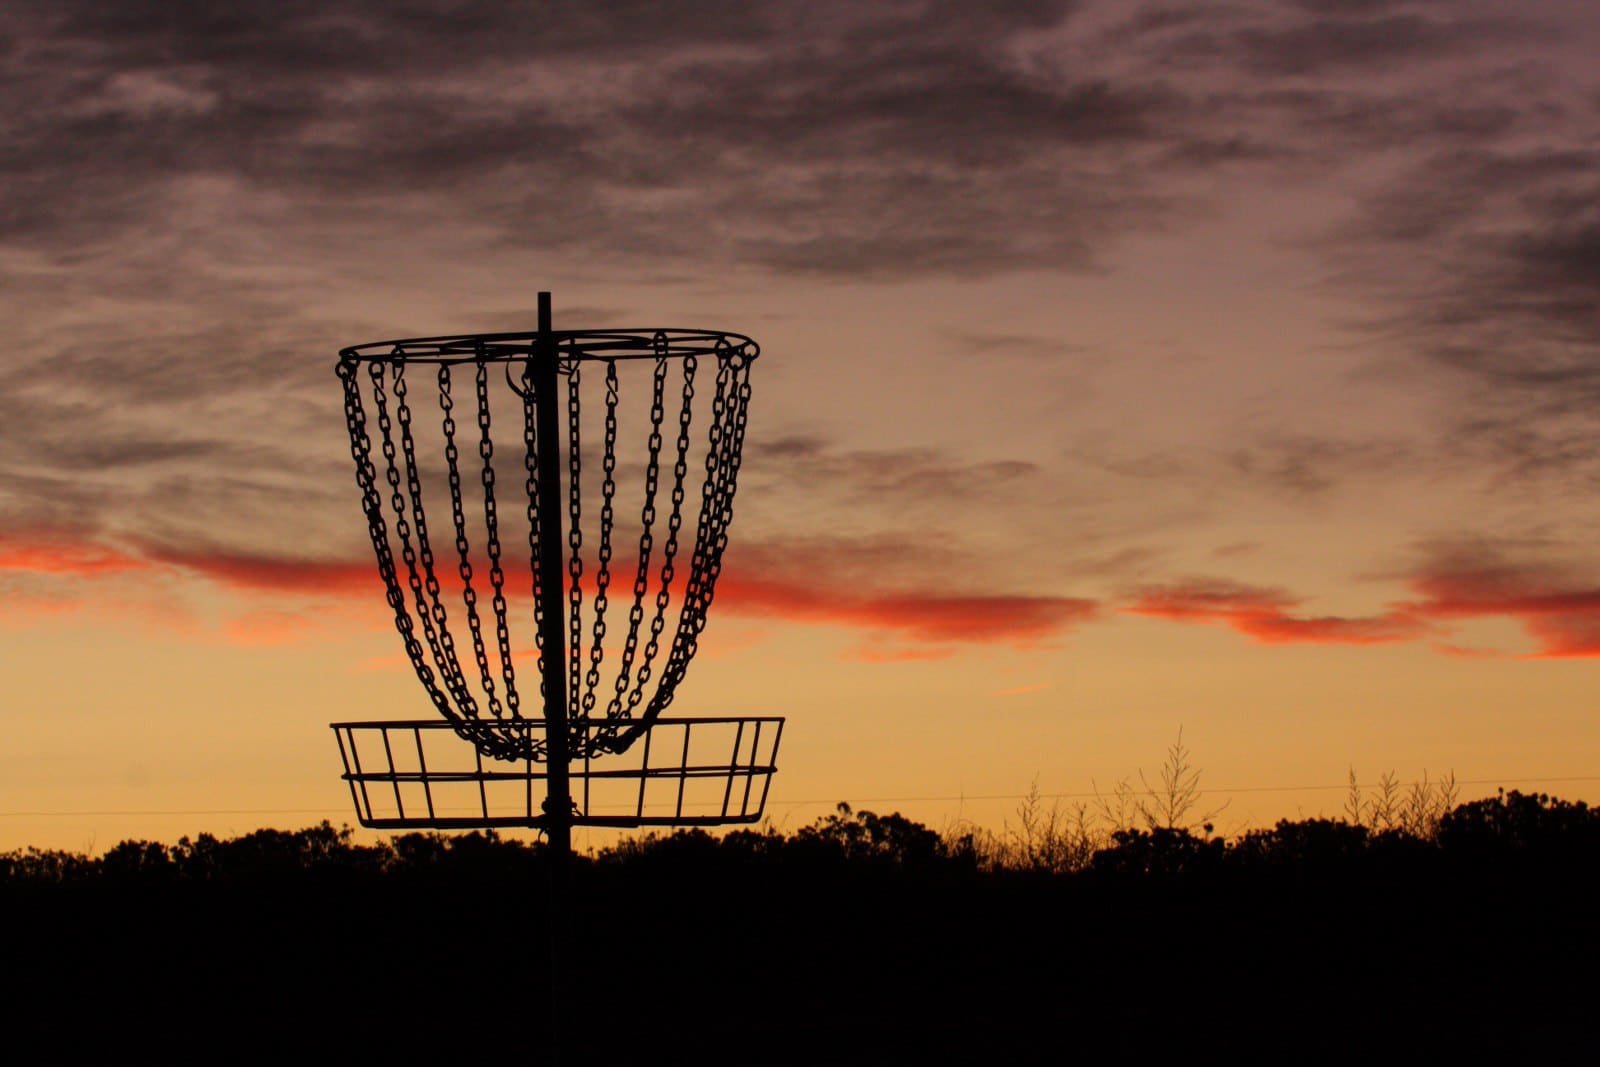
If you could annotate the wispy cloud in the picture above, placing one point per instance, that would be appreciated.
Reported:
(918, 617)
(42, 554)
(263, 574)
(1019, 690)
(1557, 606)
(1269, 616)
(888, 477)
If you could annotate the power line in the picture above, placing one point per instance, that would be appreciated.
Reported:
(180, 811)
(775, 802)
(1209, 791)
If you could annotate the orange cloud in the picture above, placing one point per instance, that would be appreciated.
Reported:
(926, 619)
(64, 556)
(276, 575)
(1268, 616)
(1560, 613)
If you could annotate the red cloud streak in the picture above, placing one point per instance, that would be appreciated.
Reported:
(931, 619)
(901, 625)
(1267, 616)
(1561, 614)
(70, 558)
(275, 575)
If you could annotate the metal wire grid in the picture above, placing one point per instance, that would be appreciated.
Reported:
(682, 774)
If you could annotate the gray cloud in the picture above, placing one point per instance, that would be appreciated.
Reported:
(883, 140)
(1303, 465)
(1018, 346)
(1494, 297)
(892, 139)
(892, 478)
(175, 180)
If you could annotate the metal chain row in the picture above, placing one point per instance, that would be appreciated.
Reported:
(377, 528)
(575, 558)
(491, 519)
(602, 575)
(647, 520)
(425, 631)
(729, 417)
(669, 552)
(452, 456)
(435, 622)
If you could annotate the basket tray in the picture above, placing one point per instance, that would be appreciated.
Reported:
(406, 775)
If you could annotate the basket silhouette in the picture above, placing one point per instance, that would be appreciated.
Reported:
(548, 512)
(683, 772)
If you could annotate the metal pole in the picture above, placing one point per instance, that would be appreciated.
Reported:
(552, 599)
(552, 588)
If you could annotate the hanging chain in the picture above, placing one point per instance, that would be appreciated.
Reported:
(372, 505)
(530, 419)
(669, 551)
(728, 420)
(491, 521)
(647, 520)
(402, 527)
(575, 559)
(602, 574)
(435, 620)
(397, 599)
(469, 594)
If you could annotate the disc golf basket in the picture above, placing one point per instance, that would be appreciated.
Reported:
(582, 548)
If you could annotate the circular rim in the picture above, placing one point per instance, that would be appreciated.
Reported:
(570, 345)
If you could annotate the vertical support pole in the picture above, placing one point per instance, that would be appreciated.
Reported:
(552, 588)
(553, 601)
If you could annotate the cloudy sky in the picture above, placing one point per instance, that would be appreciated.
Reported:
(1128, 367)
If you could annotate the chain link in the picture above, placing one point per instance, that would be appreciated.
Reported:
(435, 620)
(491, 521)
(647, 520)
(372, 500)
(728, 418)
(575, 559)
(669, 551)
(602, 574)
(530, 439)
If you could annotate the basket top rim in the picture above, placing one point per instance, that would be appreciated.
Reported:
(539, 723)
(620, 343)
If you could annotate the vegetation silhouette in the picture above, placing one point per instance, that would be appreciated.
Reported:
(858, 938)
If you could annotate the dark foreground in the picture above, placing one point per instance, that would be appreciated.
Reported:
(862, 939)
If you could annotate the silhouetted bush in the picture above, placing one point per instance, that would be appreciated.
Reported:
(860, 938)
(1160, 853)
(1514, 823)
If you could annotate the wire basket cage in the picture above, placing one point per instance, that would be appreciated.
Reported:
(634, 472)
(684, 772)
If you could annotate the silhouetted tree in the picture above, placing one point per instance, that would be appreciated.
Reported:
(870, 838)
(1162, 852)
(1512, 823)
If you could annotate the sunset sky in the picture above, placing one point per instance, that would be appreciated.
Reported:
(1127, 367)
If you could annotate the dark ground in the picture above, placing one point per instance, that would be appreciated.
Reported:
(864, 942)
